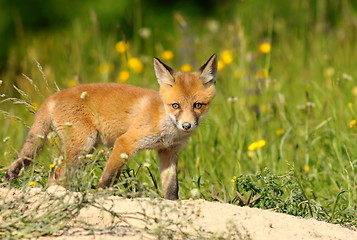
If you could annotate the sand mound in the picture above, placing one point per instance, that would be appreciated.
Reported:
(110, 217)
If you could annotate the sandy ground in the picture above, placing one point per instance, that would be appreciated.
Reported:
(187, 219)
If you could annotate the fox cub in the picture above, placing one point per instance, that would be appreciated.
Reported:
(125, 117)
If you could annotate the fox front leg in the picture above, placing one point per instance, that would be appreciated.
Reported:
(168, 172)
(123, 149)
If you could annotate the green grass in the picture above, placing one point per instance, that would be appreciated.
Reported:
(300, 98)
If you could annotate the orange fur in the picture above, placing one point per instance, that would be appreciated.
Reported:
(126, 117)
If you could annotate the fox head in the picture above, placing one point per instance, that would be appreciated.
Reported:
(187, 96)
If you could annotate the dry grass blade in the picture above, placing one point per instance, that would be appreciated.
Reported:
(37, 90)
(11, 117)
(43, 75)
(22, 93)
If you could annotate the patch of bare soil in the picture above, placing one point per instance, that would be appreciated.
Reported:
(119, 218)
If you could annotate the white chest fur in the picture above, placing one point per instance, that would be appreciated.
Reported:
(169, 136)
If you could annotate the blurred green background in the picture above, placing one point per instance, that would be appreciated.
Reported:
(286, 85)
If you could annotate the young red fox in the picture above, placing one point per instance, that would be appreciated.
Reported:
(126, 117)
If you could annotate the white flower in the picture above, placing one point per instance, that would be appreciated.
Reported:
(195, 193)
(213, 26)
(232, 99)
(145, 33)
(344, 76)
(84, 95)
(51, 135)
(146, 164)
(124, 156)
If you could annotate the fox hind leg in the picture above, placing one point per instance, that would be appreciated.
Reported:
(34, 142)
(76, 140)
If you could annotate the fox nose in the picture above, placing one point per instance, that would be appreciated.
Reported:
(186, 125)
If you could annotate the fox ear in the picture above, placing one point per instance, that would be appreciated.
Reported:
(163, 73)
(209, 70)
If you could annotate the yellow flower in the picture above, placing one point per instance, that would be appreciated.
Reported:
(72, 83)
(264, 108)
(167, 55)
(263, 74)
(52, 165)
(34, 107)
(33, 184)
(329, 72)
(238, 73)
(123, 76)
(105, 68)
(121, 46)
(265, 47)
(227, 57)
(13, 122)
(354, 91)
(256, 145)
(135, 64)
(307, 168)
(233, 180)
(352, 123)
(220, 65)
(350, 105)
(186, 68)
(279, 132)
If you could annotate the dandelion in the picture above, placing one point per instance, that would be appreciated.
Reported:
(227, 57)
(279, 132)
(307, 168)
(105, 68)
(52, 165)
(233, 180)
(33, 184)
(257, 145)
(352, 123)
(121, 46)
(186, 68)
(220, 65)
(135, 64)
(72, 83)
(264, 108)
(265, 47)
(84, 95)
(123, 76)
(167, 55)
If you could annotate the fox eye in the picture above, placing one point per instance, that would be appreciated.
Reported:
(197, 105)
(175, 106)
